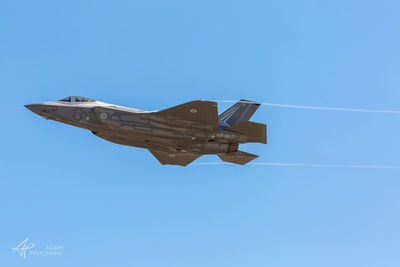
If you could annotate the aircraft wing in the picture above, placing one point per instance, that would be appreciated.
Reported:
(174, 158)
(196, 111)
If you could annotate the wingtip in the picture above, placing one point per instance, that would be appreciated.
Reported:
(249, 101)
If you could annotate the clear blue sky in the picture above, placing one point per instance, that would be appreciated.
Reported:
(111, 205)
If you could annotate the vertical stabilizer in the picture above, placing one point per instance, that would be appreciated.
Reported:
(241, 111)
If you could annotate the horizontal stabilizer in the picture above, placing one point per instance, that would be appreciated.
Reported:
(238, 157)
(256, 132)
(241, 111)
(174, 158)
(196, 111)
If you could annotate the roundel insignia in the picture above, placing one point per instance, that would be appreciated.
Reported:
(103, 115)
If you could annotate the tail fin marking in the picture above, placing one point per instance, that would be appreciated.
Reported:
(239, 112)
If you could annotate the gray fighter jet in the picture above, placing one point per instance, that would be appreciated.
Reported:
(175, 136)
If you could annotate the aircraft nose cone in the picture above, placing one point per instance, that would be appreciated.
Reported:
(35, 108)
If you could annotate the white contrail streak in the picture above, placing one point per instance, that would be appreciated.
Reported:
(318, 107)
(280, 164)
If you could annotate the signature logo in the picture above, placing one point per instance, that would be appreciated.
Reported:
(48, 250)
(22, 247)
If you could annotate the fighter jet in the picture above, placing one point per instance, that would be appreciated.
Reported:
(175, 136)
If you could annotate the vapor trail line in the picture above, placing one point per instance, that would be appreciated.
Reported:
(318, 107)
(281, 164)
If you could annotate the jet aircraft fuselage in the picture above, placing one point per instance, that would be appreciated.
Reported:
(177, 135)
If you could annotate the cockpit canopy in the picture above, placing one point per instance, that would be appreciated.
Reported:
(74, 99)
